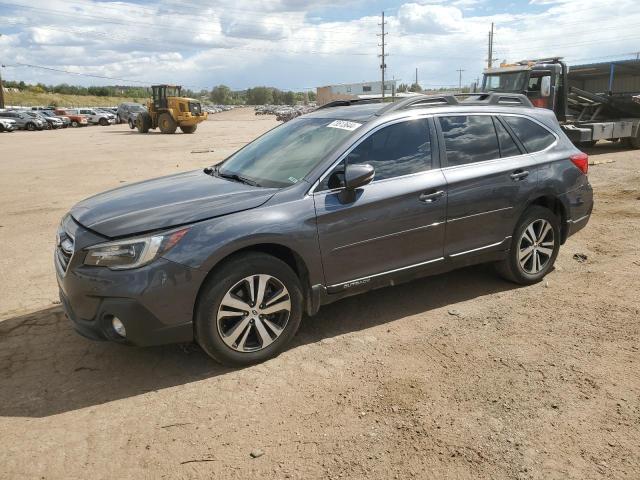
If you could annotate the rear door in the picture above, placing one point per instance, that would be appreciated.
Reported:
(395, 222)
(487, 176)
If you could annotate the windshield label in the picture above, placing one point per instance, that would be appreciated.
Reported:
(344, 125)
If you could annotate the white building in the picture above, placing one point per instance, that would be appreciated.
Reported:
(351, 91)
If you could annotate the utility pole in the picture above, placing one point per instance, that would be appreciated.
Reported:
(416, 75)
(383, 65)
(490, 53)
(460, 70)
(1, 87)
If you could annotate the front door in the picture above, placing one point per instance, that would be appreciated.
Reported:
(395, 222)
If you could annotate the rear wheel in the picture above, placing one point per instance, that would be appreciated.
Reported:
(248, 310)
(166, 123)
(74, 123)
(634, 142)
(30, 126)
(143, 122)
(188, 128)
(534, 247)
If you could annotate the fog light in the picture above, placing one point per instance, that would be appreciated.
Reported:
(118, 326)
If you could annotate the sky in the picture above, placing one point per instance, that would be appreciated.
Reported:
(296, 44)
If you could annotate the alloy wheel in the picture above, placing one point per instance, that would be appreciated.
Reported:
(253, 313)
(536, 246)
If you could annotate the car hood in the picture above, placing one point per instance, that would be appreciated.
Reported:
(166, 202)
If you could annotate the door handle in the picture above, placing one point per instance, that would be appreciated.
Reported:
(519, 175)
(431, 197)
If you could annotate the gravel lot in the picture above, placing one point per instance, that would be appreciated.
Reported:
(457, 376)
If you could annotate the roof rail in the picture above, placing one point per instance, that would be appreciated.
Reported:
(348, 103)
(483, 98)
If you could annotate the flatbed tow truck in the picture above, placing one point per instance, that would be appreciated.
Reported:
(592, 102)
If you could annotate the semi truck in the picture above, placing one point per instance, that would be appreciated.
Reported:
(593, 102)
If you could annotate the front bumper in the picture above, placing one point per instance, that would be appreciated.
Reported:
(154, 302)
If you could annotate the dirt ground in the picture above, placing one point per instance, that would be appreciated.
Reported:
(458, 376)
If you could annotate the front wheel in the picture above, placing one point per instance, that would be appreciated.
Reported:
(534, 247)
(188, 128)
(248, 310)
(103, 122)
(31, 126)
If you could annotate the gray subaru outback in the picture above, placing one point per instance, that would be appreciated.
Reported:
(351, 197)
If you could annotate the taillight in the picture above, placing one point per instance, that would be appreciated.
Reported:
(581, 160)
(539, 102)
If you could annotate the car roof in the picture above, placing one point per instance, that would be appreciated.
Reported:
(361, 113)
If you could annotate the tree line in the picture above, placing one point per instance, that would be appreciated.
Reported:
(223, 95)
(220, 94)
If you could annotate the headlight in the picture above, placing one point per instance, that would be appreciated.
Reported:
(132, 253)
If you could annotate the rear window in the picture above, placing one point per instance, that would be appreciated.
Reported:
(534, 137)
(469, 139)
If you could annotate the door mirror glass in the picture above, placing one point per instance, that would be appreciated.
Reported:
(358, 175)
(545, 86)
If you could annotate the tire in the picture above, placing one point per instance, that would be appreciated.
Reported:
(131, 124)
(103, 122)
(634, 142)
(526, 236)
(166, 123)
(214, 330)
(188, 128)
(30, 126)
(1, 128)
(74, 123)
(143, 122)
(118, 119)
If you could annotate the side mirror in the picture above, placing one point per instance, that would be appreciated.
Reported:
(355, 176)
(358, 175)
(545, 86)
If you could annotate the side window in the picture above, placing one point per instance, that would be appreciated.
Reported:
(469, 139)
(508, 147)
(393, 151)
(533, 136)
(396, 150)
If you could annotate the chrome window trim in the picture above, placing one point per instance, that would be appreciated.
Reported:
(346, 153)
(494, 160)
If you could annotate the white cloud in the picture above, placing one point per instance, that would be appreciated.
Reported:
(285, 44)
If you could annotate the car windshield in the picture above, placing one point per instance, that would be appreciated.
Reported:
(506, 82)
(286, 154)
(136, 108)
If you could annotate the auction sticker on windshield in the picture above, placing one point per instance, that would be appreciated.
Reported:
(344, 125)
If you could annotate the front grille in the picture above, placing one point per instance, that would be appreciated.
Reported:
(195, 108)
(64, 249)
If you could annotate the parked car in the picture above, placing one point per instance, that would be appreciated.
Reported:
(76, 119)
(23, 120)
(94, 116)
(7, 125)
(345, 199)
(127, 113)
(50, 114)
(49, 122)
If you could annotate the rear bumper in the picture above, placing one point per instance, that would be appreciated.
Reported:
(579, 205)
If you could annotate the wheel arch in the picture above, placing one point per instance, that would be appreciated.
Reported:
(553, 203)
(282, 252)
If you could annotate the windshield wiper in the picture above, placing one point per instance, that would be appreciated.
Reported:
(235, 177)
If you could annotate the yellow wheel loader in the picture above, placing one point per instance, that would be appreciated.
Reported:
(168, 110)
